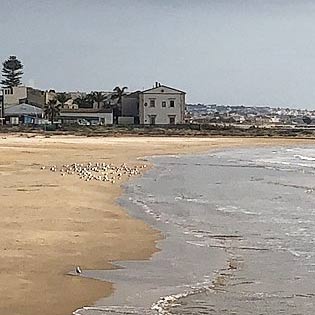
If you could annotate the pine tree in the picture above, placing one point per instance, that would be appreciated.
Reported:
(12, 72)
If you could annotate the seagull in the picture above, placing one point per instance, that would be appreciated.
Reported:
(78, 269)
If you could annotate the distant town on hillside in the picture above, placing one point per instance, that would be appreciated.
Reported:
(248, 115)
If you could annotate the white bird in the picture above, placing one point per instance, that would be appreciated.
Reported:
(78, 269)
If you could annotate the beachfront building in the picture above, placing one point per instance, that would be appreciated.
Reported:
(23, 95)
(23, 114)
(87, 116)
(162, 105)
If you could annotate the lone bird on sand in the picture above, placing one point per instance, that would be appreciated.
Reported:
(78, 269)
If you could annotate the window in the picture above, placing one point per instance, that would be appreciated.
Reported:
(172, 120)
(172, 103)
(152, 119)
(163, 104)
(152, 102)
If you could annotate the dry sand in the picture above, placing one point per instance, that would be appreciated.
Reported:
(49, 223)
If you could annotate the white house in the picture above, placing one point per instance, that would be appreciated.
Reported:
(93, 116)
(161, 105)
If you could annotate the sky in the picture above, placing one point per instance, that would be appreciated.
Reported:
(250, 52)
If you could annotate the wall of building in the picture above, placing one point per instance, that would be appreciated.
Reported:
(14, 95)
(23, 94)
(162, 94)
(124, 120)
(130, 106)
(106, 118)
(36, 97)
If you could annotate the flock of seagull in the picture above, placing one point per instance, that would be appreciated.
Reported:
(97, 171)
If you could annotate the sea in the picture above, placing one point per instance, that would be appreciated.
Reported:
(238, 229)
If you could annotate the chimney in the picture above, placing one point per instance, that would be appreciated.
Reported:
(156, 84)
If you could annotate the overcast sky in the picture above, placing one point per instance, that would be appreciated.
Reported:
(251, 52)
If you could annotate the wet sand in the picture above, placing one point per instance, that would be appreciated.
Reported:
(50, 223)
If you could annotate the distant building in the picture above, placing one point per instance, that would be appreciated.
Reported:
(23, 114)
(130, 108)
(23, 94)
(162, 105)
(89, 115)
(69, 104)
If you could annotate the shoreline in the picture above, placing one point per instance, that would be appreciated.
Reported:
(247, 282)
(40, 241)
(134, 294)
(194, 130)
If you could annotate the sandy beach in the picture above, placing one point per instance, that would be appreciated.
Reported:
(51, 223)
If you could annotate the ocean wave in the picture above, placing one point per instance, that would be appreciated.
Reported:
(234, 209)
(305, 158)
(164, 305)
(306, 189)
(191, 199)
(108, 310)
(160, 307)
(148, 210)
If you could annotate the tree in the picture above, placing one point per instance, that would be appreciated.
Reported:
(84, 101)
(52, 110)
(62, 98)
(98, 98)
(12, 72)
(307, 120)
(117, 97)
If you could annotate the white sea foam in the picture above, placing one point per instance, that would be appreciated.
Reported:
(293, 252)
(305, 158)
(196, 243)
(164, 305)
(107, 310)
(191, 199)
(235, 209)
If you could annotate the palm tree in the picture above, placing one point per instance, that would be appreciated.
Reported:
(52, 110)
(117, 96)
(98, 98)
(62, 98)
(84, 101)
